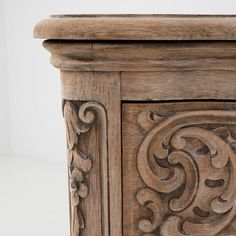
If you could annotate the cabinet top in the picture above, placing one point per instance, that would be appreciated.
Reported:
(137, 27)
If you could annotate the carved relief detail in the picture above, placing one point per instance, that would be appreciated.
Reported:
(188, 163)
(79, 120)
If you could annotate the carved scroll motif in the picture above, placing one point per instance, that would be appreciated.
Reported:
(79, 120)
(188, 163)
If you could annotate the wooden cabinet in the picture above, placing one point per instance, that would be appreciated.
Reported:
(150, 113)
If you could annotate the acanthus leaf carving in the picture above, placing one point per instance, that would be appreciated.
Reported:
(197, 183)
(79, 119)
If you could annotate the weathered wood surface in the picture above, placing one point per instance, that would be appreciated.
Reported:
(178, 158)
(158, 86)
(102, 89)
(86, 125)
(179, 169)
(137, 27)
(140, 56)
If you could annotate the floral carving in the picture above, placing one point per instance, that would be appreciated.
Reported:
(79, 118)
(188, 164)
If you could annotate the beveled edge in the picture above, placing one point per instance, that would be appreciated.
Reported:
(137, 27)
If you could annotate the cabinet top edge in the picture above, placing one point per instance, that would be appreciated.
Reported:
(137, 27)
(138, 15)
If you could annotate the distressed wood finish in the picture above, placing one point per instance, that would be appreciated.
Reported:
(179, 85)
(137, 27)
(152, 56)
(146, 157)
(178, 167)
(103, 88)
(79, 119)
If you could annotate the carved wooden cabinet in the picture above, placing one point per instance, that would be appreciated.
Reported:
(150, 113)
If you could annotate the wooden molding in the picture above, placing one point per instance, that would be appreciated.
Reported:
(79, 119)
(152, 56)
(137, 27)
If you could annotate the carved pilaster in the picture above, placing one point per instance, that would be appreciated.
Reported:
(79, 119)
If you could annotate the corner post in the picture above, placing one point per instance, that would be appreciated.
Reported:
(92, 115)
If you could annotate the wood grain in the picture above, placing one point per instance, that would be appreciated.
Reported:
(157, 86)
(151, 56)
(178, 157)
(87, 167)
(137, 27)
(103, 88)
(178, 169)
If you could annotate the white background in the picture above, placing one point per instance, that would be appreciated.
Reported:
(33, 196)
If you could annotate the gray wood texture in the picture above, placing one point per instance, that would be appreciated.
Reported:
(171, 177)
(140, 56)
(102, 88)
(179, 85)
(144, 153)
(137, 27)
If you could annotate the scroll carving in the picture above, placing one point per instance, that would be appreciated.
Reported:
(79, 119)
(188, 163)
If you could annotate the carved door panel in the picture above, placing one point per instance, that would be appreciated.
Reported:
(179, 169)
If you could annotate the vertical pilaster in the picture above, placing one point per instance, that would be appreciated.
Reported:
(92, 114)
